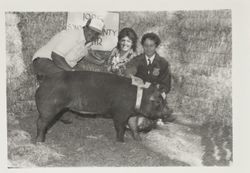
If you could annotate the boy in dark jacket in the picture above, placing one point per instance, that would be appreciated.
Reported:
(151, 67)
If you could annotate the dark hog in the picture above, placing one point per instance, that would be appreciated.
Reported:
(93, 93)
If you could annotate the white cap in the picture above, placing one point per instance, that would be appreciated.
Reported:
(96, 25)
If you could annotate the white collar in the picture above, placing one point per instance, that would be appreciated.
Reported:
(151, 58)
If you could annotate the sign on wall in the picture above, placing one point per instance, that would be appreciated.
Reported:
(108, 39)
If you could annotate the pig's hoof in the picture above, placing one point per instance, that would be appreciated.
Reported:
(37, 142)
(137, 137)
(120, 140)
(66, 121)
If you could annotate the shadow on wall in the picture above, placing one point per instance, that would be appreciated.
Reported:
(197, 45)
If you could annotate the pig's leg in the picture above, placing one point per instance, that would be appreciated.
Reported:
(45, 121)
(132, 123)
(42, 127)
(120, 129)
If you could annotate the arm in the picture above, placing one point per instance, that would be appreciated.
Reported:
(131, 67)
(165, 78)
(109, 62)
(93, 59)
(60, 62)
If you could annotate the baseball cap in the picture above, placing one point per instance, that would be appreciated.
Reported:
(96, 25)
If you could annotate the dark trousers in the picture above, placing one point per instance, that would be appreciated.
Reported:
(45, 66)
(85, 65)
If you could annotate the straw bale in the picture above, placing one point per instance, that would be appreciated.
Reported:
(221, 46)
(20, 164)
(25, 33)
(197, 44)
(196, 69)
(169, 51)
(222, 111)
(186, 119)
(222, 89)
(226, 13)
(220, 75)
(205, 70)
(12, 119)
(23, 106)
(207, 24)
(196, 106)
(217, 85)
(186, 69)
(37, 29)
(15, 82)
(208, 58)
(26, 93)
(20, 103)
(21, 149)
(176, 141)
(209, 110)
(171, 46)
(16, 70)
(134, 19)
(38, 154)
(179, 69)
(203, 35)
(216, 106)
(18, 137)
(194, 90)
(189, 70)
(173, 100)
(15, 64)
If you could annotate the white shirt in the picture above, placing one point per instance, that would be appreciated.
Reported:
(69, 44)
(151, 59)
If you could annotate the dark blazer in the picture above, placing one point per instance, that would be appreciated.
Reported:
(157, 73)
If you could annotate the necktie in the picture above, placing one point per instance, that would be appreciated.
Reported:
(149, 62)
(149, 65)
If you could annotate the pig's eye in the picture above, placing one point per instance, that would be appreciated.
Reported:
(156, 102)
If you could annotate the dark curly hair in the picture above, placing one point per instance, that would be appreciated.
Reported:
(130, 33)
(151, 36)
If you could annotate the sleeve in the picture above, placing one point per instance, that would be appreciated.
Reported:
(110, 59)
(67, 42)
(165, 77)
(132, 66)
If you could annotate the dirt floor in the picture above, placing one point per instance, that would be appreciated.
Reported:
(91, 142)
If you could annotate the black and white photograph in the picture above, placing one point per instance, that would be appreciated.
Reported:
(114, 88)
